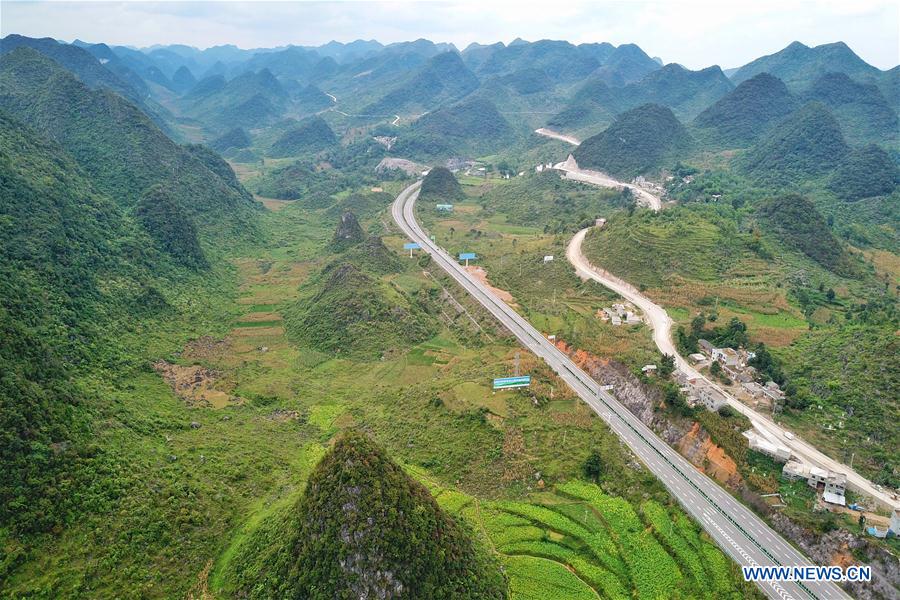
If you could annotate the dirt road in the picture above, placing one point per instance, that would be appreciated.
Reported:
(662, 336)
(557, 136)
(573, 171)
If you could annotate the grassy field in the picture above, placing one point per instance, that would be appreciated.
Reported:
(506, 227)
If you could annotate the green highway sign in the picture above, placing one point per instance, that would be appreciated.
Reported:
(504, 383)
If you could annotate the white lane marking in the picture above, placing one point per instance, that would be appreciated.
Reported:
(782, 593)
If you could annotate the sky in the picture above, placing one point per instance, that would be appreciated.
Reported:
(694, 33)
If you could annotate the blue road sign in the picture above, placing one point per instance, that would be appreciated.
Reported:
(504, 383)
(411, 246)
(467, 256)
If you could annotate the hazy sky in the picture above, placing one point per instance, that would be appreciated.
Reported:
(694, 33)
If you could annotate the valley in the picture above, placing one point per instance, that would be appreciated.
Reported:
(254, 304)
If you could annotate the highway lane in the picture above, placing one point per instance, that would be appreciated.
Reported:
(740, 533)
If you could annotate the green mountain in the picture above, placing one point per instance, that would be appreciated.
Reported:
(807, 144)
(865, 172)
(474, 126)
(862, 110)
(113, 75)
(296, 63)
(799, 66)
(685, 92)
(251, 99)
(118, 147)
(529, 80)
(183, 80)
(348, 232)
(440, 185)
(640, 140)
(365, 529)
(309, 99)
(171, 228)
(299, 180)
(594, 103)
(625, 64)
(353, 314)
(444, 78)
(748, 111)
(72, 264)
(233, 138)
(312, 135)
(800, 226)
(559, 60)
(78, 61)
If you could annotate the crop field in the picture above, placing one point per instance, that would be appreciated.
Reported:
(576, 541)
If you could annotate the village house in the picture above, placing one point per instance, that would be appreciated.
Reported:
(705, 346)
(833, 484)
(760, 444)
(728, 357)
(710, 398)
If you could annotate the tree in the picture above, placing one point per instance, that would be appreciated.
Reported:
(726, 411)
(593, 466)
(715, 368)
(697, 324)
(829, 295)
(666, 365)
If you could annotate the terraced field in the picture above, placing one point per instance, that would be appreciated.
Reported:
(578, 542)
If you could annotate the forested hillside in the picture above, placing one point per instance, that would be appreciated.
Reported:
(364, 527)
(749, 110)
(121, 150)
(71, 264)
(640, 140)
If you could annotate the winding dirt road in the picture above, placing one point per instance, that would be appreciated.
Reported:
(573, 171)
(661, 324)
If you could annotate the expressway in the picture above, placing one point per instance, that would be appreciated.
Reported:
(737, 531)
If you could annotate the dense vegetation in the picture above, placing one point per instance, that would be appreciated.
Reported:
(800, 226)
(866, 172)
(233, 138)
(121, 150)
(799, 65)
(640, 140)
(299, 180)
(440, 185)
(311, 135)
(865, 115)
(364, 528)
(248, 100)
(62, 246)
(354, 314)
(171, 228)
(747, 111)
(700, 243)
(444, 78)
(850, 372)
(808, 143)
(473, 126)
(685, 92)
(550, 204)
